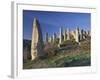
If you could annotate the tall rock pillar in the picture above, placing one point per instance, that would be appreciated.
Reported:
(68, 34)
(77, 35)
(46, 37)
(37, 41)
(81, 34)
(65, 36)
(54, 37)
(61, 36)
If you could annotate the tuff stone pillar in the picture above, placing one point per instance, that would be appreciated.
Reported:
(68, 34)
(65, 36)
(37, 41)
(51, 39)
(81, 34)
(46, 38)
(77, 35)
(60, 36)
(54, 37)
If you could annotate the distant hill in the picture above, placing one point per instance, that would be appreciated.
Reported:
(26, 49)
(26, 43)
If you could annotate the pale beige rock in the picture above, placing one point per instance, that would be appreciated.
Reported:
(77, 35)
(54, 37)
(60, 35)
(51, 39)
(73, 34)
(65, 35)
(68, 34)
(37, 41)
(46, 37)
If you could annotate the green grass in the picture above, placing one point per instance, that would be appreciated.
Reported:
(77, 55)
(62, 60)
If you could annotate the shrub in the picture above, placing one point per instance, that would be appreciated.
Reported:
(50, 49)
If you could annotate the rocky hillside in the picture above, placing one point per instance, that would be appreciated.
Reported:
(70, 54)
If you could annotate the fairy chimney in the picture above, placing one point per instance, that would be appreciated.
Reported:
(37, 41)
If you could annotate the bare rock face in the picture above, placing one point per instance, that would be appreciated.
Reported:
(68, 34)
(77, 35)
(65, 35)
(37, 41)
(46, 37)
(60, 35)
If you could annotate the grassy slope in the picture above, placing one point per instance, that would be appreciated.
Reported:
(76, 56)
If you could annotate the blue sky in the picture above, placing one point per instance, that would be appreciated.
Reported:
(51, 21)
